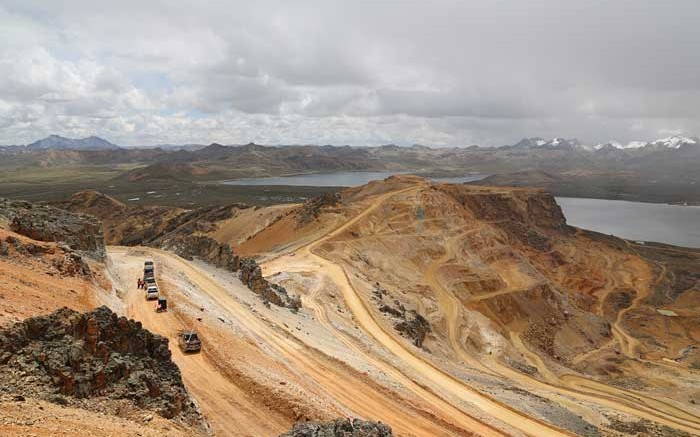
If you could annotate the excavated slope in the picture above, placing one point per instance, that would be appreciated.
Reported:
(492, 280)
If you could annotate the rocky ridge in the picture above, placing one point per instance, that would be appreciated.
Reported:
(80, 232)
(251, 275)
(68, 357)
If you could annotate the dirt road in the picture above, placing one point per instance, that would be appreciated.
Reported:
(231, 412)
(229, 409)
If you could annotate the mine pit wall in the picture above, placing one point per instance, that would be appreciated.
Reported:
(551, 320)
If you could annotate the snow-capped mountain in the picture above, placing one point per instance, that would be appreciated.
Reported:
(672, 142)
(553, 143)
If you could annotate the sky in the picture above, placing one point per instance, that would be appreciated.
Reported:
(443, 73)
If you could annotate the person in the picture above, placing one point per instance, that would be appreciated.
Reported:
(139, 283)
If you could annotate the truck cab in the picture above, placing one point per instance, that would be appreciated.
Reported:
(189, 341)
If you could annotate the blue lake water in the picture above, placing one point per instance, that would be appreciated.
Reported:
(338, 179)
(658, 222)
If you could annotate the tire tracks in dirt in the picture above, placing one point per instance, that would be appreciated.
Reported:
(346, 386)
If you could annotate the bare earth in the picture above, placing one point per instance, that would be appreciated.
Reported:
(535, 329)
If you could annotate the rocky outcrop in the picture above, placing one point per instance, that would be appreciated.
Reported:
(69, 357)
(410, 324)
(312, 207)
(42, 222)
(61, 258)
(415, 327)
(204, 248)
(251, 275)
(526, 216)
(340, 428)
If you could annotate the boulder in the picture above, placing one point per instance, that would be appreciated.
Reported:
(339, 428)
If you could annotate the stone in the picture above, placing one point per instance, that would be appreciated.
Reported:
(339, 428)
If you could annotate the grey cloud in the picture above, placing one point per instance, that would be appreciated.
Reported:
(441, 72)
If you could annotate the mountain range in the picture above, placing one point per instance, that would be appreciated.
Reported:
(663, 170)
(97, 143)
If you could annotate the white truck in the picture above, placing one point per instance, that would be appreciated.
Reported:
(152, 292)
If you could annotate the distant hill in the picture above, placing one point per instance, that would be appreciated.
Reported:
(59, 142)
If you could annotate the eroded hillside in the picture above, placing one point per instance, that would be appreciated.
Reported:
(491, 286)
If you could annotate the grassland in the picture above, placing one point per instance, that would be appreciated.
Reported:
(51, 184)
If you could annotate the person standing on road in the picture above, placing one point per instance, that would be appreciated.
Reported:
(138, 283)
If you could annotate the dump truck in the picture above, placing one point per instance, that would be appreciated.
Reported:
(189, 341)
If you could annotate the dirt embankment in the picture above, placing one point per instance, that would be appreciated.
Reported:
(49, 258)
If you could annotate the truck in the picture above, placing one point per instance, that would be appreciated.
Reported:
(189, 341)
(148, 271)
(151, 292)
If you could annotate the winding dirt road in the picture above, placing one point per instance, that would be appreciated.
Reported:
(447, 383)
(226, 406)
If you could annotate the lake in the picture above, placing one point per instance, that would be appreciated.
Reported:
(661, 223)
(338, 179)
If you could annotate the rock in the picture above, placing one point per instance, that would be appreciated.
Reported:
(42, 222)
(311, 209)
(205, 248)
(251, 275)
(66, 356)
(339, 428)
(415, 328)
(57, 399)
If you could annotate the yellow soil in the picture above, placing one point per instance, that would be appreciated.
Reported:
(30, 286)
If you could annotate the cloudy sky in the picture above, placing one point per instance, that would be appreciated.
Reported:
(356, 72)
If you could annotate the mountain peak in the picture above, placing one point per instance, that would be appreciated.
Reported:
(555, 142)
(54, 141)
(674, 141)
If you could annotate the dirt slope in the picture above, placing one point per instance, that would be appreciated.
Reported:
(509, 290)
